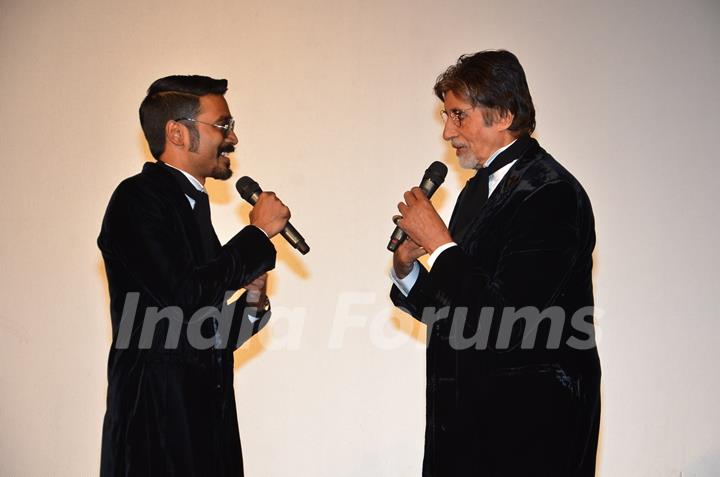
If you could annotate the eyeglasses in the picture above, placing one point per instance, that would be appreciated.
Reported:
(457, 115)
(226, 128)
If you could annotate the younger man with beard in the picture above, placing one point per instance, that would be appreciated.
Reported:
(170, 401)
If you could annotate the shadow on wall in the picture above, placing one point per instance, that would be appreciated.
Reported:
(146, 156)
(601, 433)
(292, 259)
(100, 270)
(408, 325)
(286, 255)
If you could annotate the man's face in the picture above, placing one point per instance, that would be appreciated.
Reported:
(473, 140)
(209, 153)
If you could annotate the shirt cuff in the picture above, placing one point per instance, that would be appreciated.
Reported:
(265, 308)
(434, 256)
(406, 284)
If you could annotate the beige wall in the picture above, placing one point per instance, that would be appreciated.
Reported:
(335, 112)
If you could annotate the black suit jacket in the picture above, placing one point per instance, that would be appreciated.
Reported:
(496, 406)
(171, 411)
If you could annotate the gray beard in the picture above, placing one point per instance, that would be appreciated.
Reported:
(469, 162)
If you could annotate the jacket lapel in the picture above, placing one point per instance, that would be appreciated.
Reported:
(525, 156)
(165, 181)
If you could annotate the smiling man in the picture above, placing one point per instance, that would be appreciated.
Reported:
(170, 401)
(513, 374)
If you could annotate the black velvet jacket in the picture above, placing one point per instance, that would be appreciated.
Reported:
(496, 406)
(171, 411)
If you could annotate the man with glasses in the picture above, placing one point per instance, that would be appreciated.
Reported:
(513, 374)
(170, 402)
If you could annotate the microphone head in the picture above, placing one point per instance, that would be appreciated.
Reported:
(436, 172)
(247, 187)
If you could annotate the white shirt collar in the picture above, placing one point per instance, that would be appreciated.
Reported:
(497, 153)
(196, 183)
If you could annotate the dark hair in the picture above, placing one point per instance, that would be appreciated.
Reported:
(493, 79)
(174, 97)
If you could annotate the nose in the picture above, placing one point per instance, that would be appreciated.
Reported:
(449, 130)
(232, 138)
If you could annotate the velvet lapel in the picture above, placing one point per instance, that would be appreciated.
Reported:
(525, 156)
(165, 183)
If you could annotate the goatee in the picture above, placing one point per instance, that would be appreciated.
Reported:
(221, 171)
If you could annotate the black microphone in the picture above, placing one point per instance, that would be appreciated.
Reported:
(433, 178)
(250, 191)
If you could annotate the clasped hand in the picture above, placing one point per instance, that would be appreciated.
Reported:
(257, 291)
(425, 229)
(269, 214)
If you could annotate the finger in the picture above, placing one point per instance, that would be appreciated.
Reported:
(408, 245)
(418, 252)
(418, 194)
(409, 197)
(257, 283)
(403, 209)
(259, 280)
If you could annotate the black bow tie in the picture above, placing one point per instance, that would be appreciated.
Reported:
(476, 191)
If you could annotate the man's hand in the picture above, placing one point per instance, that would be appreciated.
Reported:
(269, 214)
(404, 257)
(421, 222)
(257, 291)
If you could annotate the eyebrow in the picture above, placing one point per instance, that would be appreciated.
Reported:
(224, 117)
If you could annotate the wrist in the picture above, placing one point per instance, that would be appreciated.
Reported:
(403, 272)
(435, 244)
(262, 304)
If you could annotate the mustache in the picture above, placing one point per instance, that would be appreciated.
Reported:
(226, 148)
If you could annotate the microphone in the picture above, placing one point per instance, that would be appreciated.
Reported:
(431, 181)
(250, 191)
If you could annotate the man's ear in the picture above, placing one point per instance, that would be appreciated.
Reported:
(175, 133)
(503, 120)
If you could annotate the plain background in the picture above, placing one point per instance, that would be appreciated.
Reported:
(335, 112)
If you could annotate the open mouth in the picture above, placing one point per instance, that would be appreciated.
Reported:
(225, 151)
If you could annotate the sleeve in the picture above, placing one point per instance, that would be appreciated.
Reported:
(144, 233)
(405, 284)
(247, 321)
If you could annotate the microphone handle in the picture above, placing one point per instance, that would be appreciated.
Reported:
(398, 236)
(290, 233)
(294, 238)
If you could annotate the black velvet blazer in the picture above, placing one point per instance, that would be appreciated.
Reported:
(497, 406)
(171, 410)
